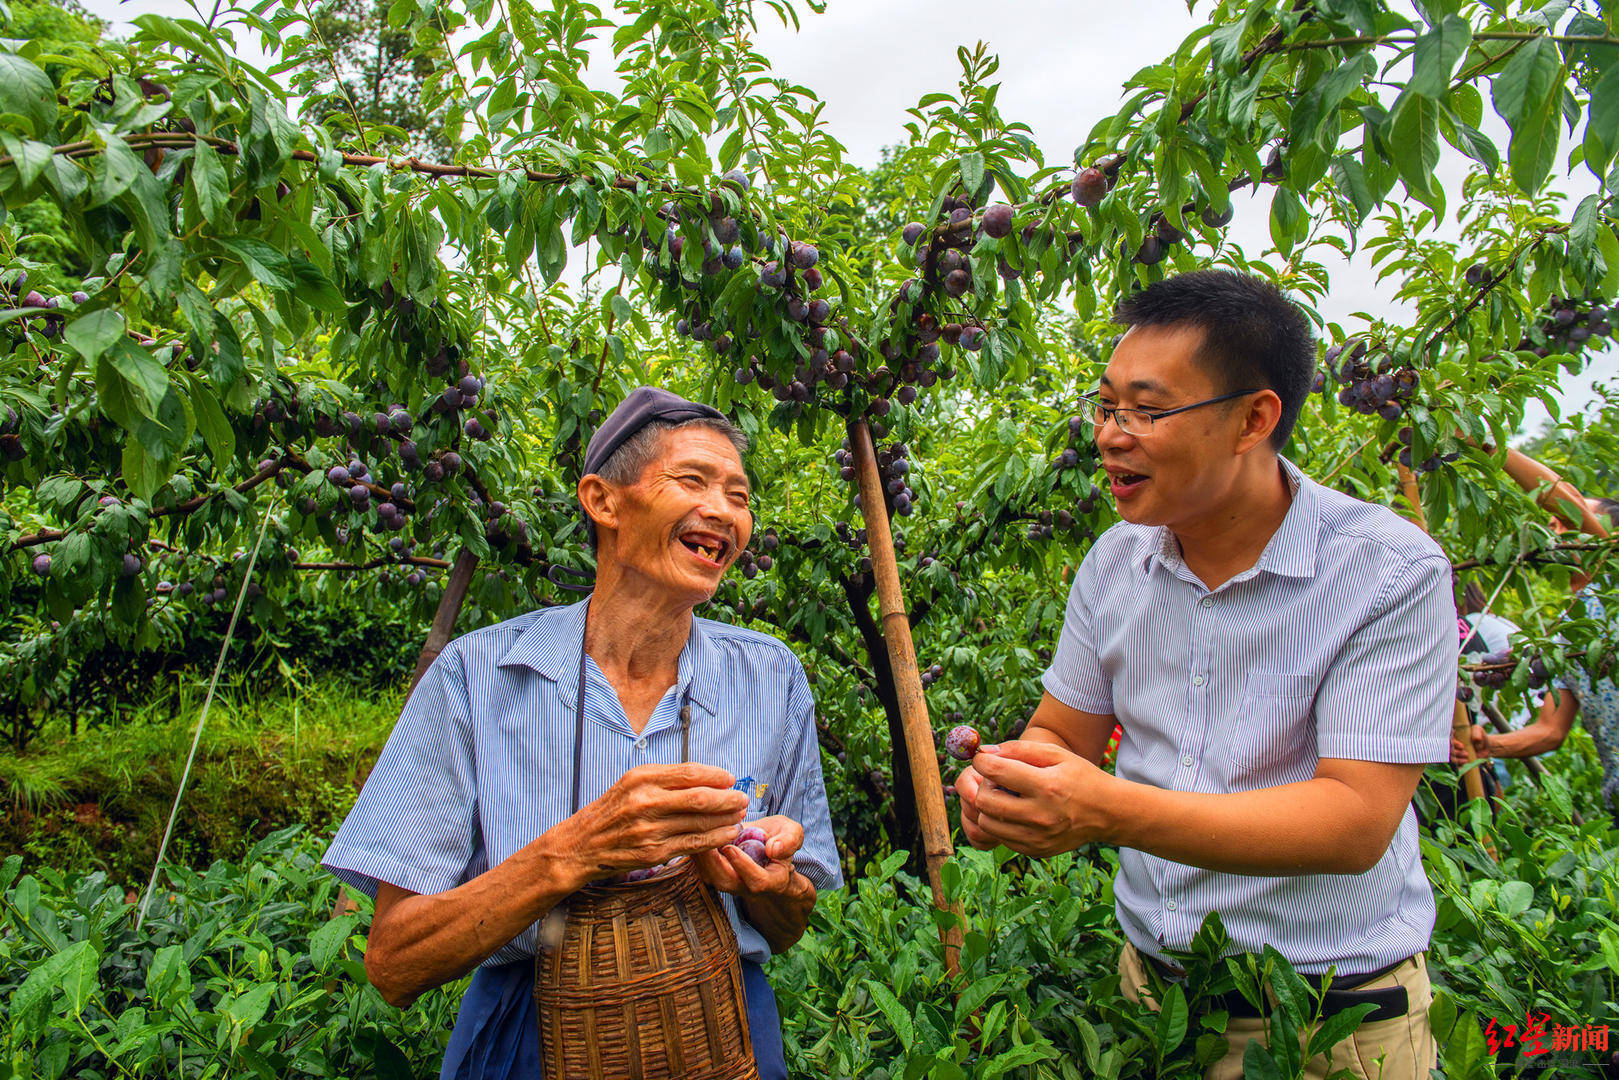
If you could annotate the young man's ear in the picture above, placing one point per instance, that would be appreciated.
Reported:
(1264, 413)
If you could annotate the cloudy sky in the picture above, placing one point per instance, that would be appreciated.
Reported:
(1062, 68)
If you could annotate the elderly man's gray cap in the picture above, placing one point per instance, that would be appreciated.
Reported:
(643, 406)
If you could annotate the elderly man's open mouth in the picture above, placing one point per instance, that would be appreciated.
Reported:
(710, 547)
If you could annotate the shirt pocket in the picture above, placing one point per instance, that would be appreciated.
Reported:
(1271, 737)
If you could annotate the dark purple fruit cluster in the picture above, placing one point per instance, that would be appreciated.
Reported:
(1371, 386)
(1570, 325)
(14, 291)
(11, 445)
(1496, 669)
(1427, 465)
(752, 561)
(894, 467)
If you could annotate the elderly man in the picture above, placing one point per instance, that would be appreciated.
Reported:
(1282, 659)
(575, 743)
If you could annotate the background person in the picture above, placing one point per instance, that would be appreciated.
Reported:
(465, 832)
(1282, 659)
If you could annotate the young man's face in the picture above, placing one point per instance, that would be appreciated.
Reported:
(1179, 472)
(685, 521)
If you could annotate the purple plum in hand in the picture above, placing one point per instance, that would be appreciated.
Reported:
(962, 742)
(750, 832)
(755, 850)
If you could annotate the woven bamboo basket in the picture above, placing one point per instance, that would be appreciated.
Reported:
(645, 984)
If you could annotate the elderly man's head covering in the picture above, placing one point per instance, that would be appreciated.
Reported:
(643, 406)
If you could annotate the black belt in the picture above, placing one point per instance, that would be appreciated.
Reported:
(1337, 993)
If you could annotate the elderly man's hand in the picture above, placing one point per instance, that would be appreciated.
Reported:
(653, 814)
(1036, 798)
(730, 869)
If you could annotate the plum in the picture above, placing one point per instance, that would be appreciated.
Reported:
(998, 221)
(750, 832)
(1090, 187)
(913, 232)
(755, 850)
(132, 564)
(804, 256)
(962, 742)
(957, 282)
(42, 565)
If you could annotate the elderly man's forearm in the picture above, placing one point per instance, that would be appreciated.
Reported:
(424, 941)
(1313, 827)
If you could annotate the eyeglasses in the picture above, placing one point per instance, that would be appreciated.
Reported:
(1138, 422)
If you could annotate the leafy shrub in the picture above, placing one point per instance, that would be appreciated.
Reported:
(237, 972)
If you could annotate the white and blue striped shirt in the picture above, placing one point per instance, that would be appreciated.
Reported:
(1340, 642)
(481, 761)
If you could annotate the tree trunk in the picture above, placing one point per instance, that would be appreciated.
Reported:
(449, 608)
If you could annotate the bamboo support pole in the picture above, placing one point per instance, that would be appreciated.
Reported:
(926, 780)
(1461, 724)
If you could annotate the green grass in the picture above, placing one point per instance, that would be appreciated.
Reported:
(99, 800)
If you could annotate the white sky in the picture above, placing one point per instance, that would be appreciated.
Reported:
(1062, 69)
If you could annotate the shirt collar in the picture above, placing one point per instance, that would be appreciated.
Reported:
(1291, 550)
(551, 648)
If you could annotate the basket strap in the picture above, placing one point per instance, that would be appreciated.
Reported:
(579, 726)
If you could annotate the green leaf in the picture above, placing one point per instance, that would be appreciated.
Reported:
(249, 1008)
(1515, 897)
(1172, 1019)
(1464, 1053)
(112, 171)
(326, 943)
(213, 423)
(1602, 123)
(1258, 1063)
(26, 91)
(94, 332)
(1434, 58)
(1335, 1029)
(898, 1018)
(1413, 142)
(972, 171)
(168, 974)
(1528, 95)
(146, 377)
(267, 265)
(79, 979)
(208, 181)
(47, 976)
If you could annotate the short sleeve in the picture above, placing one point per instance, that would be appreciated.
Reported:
(414, 824)
(1390, 694)
(1075, 676)
(801, 793)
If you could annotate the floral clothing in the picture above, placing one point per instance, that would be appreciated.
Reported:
(1599, 709)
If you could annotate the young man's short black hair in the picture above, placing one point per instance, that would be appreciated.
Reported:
(1253, 336)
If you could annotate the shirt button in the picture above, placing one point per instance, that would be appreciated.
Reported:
(1197, 680)
(1169, 905)
(1187, 761)
(640, 744)
(1207, 601)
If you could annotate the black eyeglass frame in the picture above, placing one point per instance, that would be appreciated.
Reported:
(1110, 412)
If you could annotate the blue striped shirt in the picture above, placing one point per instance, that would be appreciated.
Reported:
(481, 761)
(1340, 642)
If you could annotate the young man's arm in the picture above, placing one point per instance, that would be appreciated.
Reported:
(1043, 799)
(1338, 822)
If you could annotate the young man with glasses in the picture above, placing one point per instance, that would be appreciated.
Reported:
(1282, 660)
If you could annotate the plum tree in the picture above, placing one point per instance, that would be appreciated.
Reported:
(290, 320)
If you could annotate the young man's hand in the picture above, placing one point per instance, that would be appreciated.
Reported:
(1036, 798)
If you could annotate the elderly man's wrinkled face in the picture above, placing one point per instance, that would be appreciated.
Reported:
(685, 521)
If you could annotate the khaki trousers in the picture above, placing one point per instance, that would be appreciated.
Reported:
(1399, 1049)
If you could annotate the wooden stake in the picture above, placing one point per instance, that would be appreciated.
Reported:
(926, 780)
(449, 609)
